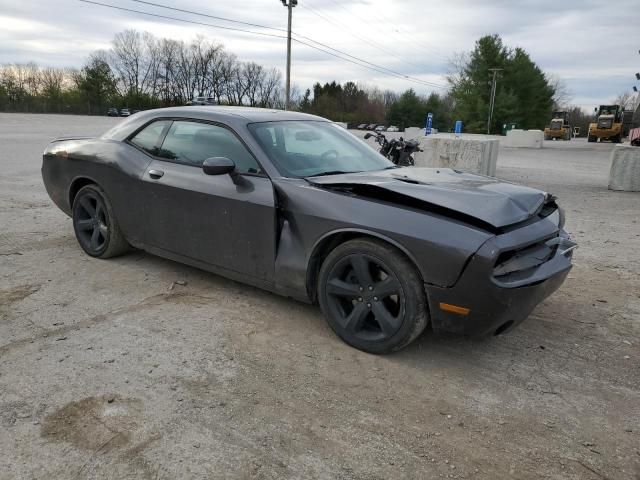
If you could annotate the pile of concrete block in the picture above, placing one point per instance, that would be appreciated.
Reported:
(477, 155)
(412, 132)
(625, 169)
(524, 139)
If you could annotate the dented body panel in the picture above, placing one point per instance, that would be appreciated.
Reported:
(273, 232)
(486, 199)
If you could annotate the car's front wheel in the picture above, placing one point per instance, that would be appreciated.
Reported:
(372, 296)
(95, 225)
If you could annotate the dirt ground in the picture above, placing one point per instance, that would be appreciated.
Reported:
(108, 372)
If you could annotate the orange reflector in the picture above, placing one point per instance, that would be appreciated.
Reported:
(454, 309)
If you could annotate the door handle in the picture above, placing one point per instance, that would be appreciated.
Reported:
(155, 174)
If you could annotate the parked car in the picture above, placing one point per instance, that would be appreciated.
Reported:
(133, 112)
(371, 126)
(362, 126)
(202, 101)
(112, 112)
(393, 128)
(294, 204)
(380, 128)
(124, 112)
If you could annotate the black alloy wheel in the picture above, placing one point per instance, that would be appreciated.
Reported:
(372, 296)
(366, 300)
(91, 224)
(95, 225)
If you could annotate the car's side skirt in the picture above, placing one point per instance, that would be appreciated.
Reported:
(227, 273)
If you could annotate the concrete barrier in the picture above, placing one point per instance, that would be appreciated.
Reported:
(478, 155)
(625, 169)
(524, 138)
(412, 132)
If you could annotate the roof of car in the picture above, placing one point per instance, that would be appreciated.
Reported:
(233, 116)
(250, 114)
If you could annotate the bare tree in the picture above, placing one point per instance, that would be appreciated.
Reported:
(252, 77)
(562, 95)
(130, 62)
(269, 89)
(146, 70)
(628, 100)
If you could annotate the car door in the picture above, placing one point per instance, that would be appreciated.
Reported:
(224, 220)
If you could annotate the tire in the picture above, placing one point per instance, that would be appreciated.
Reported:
(95, 225)
(407, 162)
(372, 296)
(591, 138)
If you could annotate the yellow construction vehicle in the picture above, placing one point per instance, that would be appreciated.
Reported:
(608, 124)
(559, 127)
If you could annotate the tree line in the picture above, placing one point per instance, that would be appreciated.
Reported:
(142, 71)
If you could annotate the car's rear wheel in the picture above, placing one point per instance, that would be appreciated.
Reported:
(372, 296)
(95, 225)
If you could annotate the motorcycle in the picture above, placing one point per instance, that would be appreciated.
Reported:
(399, 151)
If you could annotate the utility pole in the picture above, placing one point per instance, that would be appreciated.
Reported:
(289, 4)
(492, 101)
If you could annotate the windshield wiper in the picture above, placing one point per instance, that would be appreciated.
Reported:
(331, 172)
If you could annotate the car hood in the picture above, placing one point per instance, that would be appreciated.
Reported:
(444, 190)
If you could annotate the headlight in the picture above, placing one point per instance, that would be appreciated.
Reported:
(557, 217)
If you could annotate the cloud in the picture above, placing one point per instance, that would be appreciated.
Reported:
(593, 47)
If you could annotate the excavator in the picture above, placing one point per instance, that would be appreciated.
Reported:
(608, 125)
(559, 127)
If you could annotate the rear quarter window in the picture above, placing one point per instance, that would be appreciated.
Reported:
(149, 137)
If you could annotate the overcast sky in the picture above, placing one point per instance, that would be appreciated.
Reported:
(591, 45)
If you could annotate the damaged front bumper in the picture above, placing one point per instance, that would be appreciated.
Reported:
(504, 281)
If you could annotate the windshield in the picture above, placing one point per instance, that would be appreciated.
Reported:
(309, 148)
(608, 109)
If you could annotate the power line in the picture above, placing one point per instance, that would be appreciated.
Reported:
(399, 75)
(396, 29)
(342, 27)
(371, 66)
(192, 12)
(175, 9)
(180, 19)
(324, 45)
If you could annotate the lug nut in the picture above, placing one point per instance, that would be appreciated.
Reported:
(370, 288)
(360, 288)
(359, 299)
(368, 305)
(375, 299)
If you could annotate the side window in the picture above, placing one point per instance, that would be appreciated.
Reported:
(192, 143)
(149, 137)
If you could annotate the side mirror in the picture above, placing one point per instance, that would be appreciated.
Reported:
(368, 135)
(218, 166)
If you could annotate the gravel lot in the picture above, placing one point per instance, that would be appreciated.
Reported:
(107, 372)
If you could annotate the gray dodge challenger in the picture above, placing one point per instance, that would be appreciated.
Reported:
(295, 204)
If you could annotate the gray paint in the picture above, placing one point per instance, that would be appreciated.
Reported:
(487, 199)
(270, 231)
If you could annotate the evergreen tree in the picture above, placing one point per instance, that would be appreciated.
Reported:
(97, 84)
(409, 110)
(523, 95)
